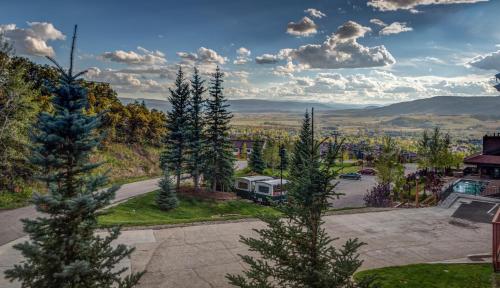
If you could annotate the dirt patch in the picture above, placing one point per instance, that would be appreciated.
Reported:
(204, 194)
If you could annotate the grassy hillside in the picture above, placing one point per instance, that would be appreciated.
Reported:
(128, 163)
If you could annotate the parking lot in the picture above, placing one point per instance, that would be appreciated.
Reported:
(355, 190)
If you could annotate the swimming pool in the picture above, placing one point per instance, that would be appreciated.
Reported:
(471, 187)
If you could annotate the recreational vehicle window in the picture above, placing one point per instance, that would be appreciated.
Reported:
(263, 189)
(243, 185)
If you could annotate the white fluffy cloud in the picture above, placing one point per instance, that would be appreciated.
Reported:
(266, 59)
(201, 57)
(488, 62)
(340, 50)
(305, 27)
(315, 13)
(395, 28)
(392, 5)
(243, 56)
(378, 22)
(142, 57)
(126, 82)
(32, 40)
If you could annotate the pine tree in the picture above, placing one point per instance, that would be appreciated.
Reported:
(176, 140)
(166, 198)
(256, 162)
(196, 126)
(218, 155)
(302, 147)
(295, 251)
(63, 250)
(244, 154)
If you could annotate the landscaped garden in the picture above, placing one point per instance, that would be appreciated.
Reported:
(432, 276)
(143, 211)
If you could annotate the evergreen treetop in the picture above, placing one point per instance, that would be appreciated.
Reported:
(256, 162)
(63, 250)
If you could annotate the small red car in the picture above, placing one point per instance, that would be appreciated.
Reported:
(367, 171)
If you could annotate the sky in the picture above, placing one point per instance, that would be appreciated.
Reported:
(332, 51)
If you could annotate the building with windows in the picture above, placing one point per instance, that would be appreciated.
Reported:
(487, 162)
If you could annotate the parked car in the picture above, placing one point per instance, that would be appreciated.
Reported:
(367, 171)
(351, 176)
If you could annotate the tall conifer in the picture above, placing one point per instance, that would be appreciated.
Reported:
(256, 162)
(295, 251)
(196, 126)
(63, 250)
(176, 140)
(218, 156)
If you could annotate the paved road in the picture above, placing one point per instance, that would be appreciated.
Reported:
(11, 226)
(200, 256)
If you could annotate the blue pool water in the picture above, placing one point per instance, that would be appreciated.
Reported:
(471, 187)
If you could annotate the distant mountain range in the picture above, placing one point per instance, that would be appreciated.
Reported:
(257, 105)
(440, 105)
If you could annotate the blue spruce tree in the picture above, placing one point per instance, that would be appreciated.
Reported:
(63, 250)
(218, 155)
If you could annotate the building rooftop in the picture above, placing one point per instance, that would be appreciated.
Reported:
(483, 159)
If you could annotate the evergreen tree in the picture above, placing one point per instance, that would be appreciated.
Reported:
(295, 251)
(244, 154)
(166, 198)
(302, 147)
(218, 156)
(196, 125)
(176, 140)
(256, 162)
(63, 250)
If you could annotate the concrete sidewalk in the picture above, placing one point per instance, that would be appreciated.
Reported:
(201, 256)
(11, 227)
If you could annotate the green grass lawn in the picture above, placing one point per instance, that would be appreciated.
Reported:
(142, 211)
(432, 276)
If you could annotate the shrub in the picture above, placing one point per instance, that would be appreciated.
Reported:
(378, 196)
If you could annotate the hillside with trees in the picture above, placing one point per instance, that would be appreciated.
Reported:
(132, 133)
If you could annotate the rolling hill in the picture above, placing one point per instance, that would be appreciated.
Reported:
(440, 105)
(257, 105)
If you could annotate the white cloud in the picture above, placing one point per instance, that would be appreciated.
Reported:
(315, 13)
(395, 28)
(305, 27)
(392, 5)
(243, 56)
(32, 40)
(340, 50)
(488, 62)
(378, 22)
(202, 57)
(142, 57)
(266, 59)
(126, 82)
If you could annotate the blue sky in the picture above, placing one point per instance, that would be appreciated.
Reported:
(356, 51)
